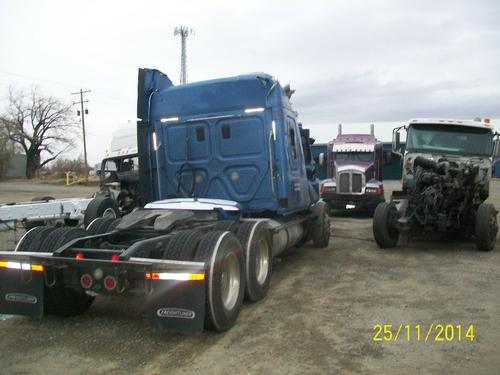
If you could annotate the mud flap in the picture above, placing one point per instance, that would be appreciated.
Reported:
(21, 292)
(177, 306)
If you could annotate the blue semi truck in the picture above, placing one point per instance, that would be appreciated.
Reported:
(228, 183)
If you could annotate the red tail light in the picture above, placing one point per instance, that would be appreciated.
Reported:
(115, 258)
(109, 282)
(86, 281)
(79, 256)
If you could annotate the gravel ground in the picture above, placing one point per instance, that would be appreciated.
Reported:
(319, 317)
(23, 192)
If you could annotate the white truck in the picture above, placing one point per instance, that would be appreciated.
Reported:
(446, 181)
(118, 194)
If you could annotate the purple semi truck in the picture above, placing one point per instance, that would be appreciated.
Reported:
(354, 172)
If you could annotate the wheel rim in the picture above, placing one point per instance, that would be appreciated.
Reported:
(109, 213)
(262, 261)
(230, 281)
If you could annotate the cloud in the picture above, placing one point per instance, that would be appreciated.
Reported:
(363, 97)
(384, 60)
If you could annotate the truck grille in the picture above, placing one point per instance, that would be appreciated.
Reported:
(344, 183)
(350, 182)
(356, 183)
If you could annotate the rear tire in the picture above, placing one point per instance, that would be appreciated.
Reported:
(320, 230)
(114, 224)
(101, 207)
(50, 242)
(70, 235)
(224, 278)
(486, 227)
(258, 248)
(93, 226)
(183, 245)
(227, 225)
(60, 300)
(102, 225)
(385, 234)
(32, 239)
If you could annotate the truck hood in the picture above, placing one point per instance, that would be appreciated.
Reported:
(360, 166)
(482, 162)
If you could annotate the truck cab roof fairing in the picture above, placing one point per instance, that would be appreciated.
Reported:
(218, 95)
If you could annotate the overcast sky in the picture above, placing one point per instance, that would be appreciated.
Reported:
(350, 62)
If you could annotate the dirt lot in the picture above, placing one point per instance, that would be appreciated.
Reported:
(318, 317)
(24, 192)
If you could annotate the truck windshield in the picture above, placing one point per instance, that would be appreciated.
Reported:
(354, 156)
(450, 139)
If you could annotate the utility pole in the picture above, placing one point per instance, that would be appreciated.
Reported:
(83, 113)
(184, 32)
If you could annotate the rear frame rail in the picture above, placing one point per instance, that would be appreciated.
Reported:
(174, 290)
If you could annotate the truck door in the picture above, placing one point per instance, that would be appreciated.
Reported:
(296, 179)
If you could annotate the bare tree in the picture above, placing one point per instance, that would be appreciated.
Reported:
(6, 152)
(40, 126)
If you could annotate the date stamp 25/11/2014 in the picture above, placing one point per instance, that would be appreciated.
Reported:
(434, 332)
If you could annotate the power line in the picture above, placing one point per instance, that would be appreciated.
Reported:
(38, 79)
(83, 113)
(67, 84)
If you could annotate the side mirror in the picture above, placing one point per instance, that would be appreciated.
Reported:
(496, 149)
(396, 141)
(321, 159)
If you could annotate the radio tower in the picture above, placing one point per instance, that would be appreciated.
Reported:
(184, 32)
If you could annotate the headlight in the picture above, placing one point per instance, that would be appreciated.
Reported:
(379, 190)
(328, 189)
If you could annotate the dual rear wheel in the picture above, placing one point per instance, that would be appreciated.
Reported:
(238, 262)
(224, 281)
(257, 246)
(102, 225)
(58, 299)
